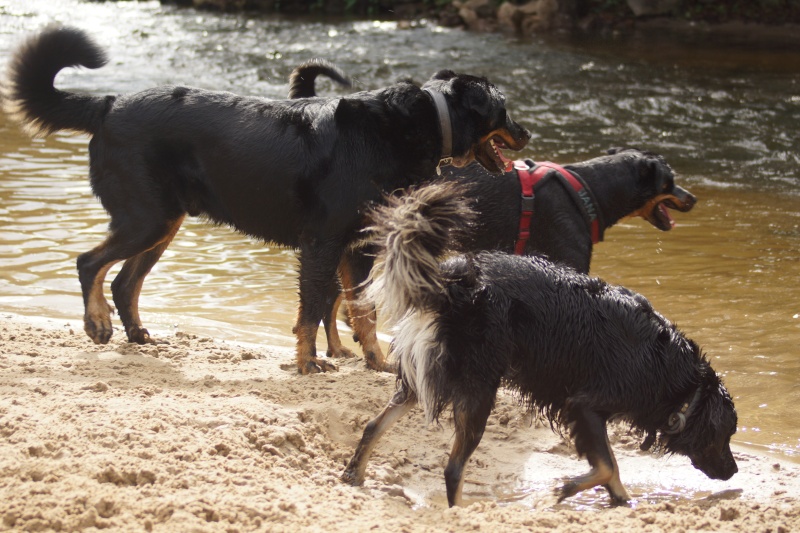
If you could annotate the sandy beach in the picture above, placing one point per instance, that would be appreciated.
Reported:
(205, 435)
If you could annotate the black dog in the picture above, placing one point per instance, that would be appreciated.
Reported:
(576, 349)
(561, 223)
(295, 172)
(565, 223)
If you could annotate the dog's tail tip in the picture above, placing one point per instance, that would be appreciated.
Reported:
(303, 77)
(412, 232)
(29, 95)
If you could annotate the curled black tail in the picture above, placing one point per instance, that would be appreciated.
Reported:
(411, 233)
(301, 81)
(29, 94)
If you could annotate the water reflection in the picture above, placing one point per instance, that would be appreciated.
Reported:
(728, 274)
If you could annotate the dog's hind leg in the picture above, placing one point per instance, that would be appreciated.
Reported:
(399, 405)
(124, 242)
(92, 269)
(470, 416)
(354, 271)
(127, 285)
(335, 346)
(588, 429)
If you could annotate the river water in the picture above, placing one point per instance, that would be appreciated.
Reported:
(724, 112)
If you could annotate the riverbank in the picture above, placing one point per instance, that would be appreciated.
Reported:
(775, 20)
(206, 435)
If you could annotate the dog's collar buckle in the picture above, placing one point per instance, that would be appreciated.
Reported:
(443, 162)
(677, 420)
(445, 127)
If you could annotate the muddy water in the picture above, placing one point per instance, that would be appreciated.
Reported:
(725, 114)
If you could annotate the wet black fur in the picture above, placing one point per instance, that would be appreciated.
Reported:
(560, 338)
(295, 172)
(575, 348)
(622, 182)
(302, 80)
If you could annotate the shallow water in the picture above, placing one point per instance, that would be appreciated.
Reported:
(725, 114)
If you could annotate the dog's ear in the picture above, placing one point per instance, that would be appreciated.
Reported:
(619, 149)
(444, 75)
(649, 169)
(479, 102)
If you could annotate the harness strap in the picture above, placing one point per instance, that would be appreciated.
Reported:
(587, 202)
(527, 180)
(583, 197)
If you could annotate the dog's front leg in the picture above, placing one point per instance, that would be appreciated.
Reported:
(588, 429)
(318, 292)
(400, 404)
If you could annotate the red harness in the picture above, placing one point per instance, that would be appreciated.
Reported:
(528, 178)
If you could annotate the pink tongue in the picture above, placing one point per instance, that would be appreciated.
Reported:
(665, 212)
(508, 162)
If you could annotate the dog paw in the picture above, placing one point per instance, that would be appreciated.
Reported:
(139, 335)
(570, 488)
(374, 361)
(350, 477)
(315, 366)
(99, 331)
(619, 496)
(340, 353)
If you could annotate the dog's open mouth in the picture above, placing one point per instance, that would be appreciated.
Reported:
(490, 155)
(657, 210)
(662, 219)
(489, 150)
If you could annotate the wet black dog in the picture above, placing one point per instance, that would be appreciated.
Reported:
(295, 172)
(576, 349)
(626, 182)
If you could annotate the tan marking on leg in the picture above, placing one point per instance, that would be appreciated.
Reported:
(614, 485)
(307, 360)
(598, 476)
(365, 327)
(334, 342)
(135, 330)
(97, 315)
(364, 320)
(398, 406)
(335, 346)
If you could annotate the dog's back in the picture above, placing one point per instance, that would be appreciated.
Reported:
(550, 332)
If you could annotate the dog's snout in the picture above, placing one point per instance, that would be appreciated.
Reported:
(520, 134)
(686, 200)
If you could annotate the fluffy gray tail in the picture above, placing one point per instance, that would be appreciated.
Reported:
(29, 95)
(411, 233)
(301, 81)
